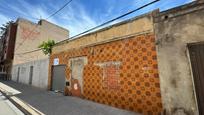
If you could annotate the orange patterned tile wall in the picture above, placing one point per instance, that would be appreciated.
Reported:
(129, 77)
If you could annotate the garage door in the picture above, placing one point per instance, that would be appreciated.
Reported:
(58, 77)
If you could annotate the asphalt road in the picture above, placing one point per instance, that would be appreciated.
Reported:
(51, 103)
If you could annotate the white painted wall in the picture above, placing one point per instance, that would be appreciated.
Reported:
(40, 73)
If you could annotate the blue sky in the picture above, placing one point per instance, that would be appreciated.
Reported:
(80, 15)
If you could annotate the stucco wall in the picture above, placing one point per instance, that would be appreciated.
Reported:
(174, 29)
(30, 36)
(136, 25)
(40, 73)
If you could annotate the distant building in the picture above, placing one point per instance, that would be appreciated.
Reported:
(28, 64)
(30, 35)
(7, 49)
(1, 46)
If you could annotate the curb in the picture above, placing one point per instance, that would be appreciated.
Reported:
(21, 105)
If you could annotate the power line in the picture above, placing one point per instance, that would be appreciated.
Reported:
(60, 9)
(130, 12)
(46, 19)
(29, 51)
(29, 34)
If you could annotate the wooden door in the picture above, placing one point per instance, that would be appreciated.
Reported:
(196, 52)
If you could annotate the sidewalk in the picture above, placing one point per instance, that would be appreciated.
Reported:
(7, 108)
(51, 103)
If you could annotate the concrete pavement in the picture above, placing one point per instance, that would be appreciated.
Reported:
(7, 108)
(11, 104)
(51, 103)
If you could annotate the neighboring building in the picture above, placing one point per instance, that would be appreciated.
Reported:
(2, 72)
(116, 66)
(7, 50)
(180, 49)
(30, 65)
(1, 52)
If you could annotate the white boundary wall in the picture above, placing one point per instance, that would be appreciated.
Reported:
(40, 73)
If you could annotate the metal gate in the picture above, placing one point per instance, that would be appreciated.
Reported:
(196, 52)
(58, 78)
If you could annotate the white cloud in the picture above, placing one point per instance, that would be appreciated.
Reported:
(75, 21)
(75, 17)
(3, 19)
(30, 10)
(18, 10)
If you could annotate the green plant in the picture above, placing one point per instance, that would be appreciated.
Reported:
(47, 46)
(4, 28)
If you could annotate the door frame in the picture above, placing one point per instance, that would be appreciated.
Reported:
(192, 74)
(51, 83)
(85, 62)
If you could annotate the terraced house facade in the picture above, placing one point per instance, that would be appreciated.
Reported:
(115, 66)
(146, 64)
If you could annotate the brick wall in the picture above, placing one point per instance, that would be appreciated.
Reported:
(122, 73)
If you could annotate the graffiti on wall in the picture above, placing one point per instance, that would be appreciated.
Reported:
(29, 33)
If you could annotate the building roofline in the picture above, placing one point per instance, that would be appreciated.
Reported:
(54, 24)
(179, 11)
(106, 28)
(24, 19)
(181, 7)
(38, 23)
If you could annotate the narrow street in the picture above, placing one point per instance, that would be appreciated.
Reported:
(102, 57)
(7, 108)
(51, 103)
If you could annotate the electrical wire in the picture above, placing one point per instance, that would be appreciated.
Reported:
(29, 51)
(121, 16)
(59, 9)
(20, 44)
(46, 19)
(130, 12)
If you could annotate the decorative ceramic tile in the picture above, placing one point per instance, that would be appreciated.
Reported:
(133, 85)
